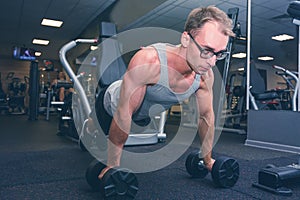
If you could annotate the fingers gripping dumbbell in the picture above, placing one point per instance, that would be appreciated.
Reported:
(225, 171)
(115, 184)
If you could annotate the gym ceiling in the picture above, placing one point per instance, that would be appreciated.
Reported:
(20, 22)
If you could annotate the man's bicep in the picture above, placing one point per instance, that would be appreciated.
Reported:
(204, 101)
(141, 72)
(205, 93)
(132, 91)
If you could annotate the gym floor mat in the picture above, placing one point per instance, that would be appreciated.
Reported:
(46, 166)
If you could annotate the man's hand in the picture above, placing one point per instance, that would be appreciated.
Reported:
(209, 164)
(100, 176)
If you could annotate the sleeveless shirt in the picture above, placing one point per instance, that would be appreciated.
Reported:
(158, 97)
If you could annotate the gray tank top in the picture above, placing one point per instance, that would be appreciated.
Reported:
(160, 97)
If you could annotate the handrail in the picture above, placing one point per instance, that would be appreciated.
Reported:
(297, 84)
(62, 55)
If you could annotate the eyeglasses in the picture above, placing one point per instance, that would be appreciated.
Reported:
(206, 54)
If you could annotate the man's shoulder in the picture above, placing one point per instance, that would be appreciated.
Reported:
(147, 55)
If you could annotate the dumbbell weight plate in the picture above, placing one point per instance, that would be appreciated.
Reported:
(119, 184)
(225, 172)
(195, 166)
(92, 173)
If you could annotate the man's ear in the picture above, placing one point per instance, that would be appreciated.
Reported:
(185, 39)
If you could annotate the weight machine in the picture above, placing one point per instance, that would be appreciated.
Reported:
(228, 115)
(272, 95)
(16, 94)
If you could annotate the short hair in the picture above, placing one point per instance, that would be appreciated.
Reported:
(199, 16)
(63, 73)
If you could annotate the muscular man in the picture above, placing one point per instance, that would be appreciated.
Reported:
(167, 74)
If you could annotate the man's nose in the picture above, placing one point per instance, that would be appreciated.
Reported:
(212, 61)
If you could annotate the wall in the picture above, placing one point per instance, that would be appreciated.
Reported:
(274, 129)
(21, 69)
(273, 81)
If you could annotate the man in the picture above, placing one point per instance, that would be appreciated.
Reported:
(61, 77)
(61, 91)
(165, 74)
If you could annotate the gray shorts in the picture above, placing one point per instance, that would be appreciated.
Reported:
(142, 116)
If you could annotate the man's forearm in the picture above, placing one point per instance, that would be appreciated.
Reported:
(206, 132)
(117, 139)
(114, 155)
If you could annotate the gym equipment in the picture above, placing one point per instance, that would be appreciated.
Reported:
(225, 171)
(195, 165)
(271, 178)
(236, 114)
(294, 11)
(115, 184)
(271, 98)
(294, 87)
(92, 172)
(286, 94)
(274, 179)
(223, 67)
(3, 98)
(66, 124)
(16, 93)
(46, 92)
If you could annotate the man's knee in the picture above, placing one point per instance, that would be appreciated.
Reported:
(205, 120)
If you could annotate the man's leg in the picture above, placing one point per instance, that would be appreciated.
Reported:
(103, 117)
(61, 94)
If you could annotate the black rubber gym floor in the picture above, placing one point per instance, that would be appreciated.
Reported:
(35, 163)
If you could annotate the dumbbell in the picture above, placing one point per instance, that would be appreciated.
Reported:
(225, 171)
(115, 184)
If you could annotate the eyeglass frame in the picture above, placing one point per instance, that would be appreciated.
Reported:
(212, 53)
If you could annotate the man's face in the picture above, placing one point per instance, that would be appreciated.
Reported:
(61, 75)
(203, 49)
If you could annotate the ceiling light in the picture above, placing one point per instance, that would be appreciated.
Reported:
(50, 22)
(241, 69)
(41, 42)
(37, 53)
(239, 55)
(282, 37)
(265, 58)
